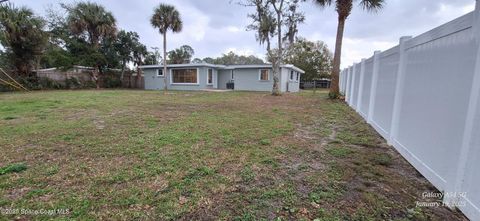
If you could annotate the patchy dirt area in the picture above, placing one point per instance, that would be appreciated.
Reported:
(202, 156)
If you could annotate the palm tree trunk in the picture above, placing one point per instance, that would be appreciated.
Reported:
(334, 87)
(165, 62)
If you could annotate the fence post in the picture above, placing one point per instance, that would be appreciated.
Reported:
(352, 86)
(350, 80)
(471, 121)
(373, 88)
(347, 76)
(397, 102)
(342, 81)
(360, 86)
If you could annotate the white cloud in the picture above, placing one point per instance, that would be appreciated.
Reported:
(233, 29)
(213, 27)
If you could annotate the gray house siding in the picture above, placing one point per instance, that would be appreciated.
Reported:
(249, 80)
(152, 82)
(246, 78)
(283, 79)
(155, 82)
(291, 85)
(224, 76)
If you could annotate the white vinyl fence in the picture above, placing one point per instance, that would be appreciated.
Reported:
(423, 97)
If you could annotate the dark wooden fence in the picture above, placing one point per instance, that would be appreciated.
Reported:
(131, 81)
(315, 84)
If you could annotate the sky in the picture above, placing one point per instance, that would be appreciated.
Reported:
(214, 27)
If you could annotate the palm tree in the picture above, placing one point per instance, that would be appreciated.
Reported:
(344, 9)
(22, 35)
(166, 17)
(92, 20)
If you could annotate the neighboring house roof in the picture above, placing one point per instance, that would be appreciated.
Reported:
(226, 67)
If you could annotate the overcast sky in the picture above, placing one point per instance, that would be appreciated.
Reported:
(213, 27)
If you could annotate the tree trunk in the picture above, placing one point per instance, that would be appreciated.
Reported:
(334, 87)
(279, 60)
(276, 88)
(123, 71)
(165, 63)
(139, 77)
(96, 78)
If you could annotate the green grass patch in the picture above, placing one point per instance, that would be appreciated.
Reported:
(383, 159)
(247, 174)
(339, 151)
(13, 168)
(144, 155)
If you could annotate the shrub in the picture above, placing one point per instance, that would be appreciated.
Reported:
(382, 159)
(333, 95)
(111, 81)
(72, 83)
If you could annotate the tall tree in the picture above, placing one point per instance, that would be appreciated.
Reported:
(344, 9)
(182, 55)
(269, 19)
(313, 57)
(22, 36)
(125, 45)
(165, 18)
(151, 58)
(234, 59)
(94, 23)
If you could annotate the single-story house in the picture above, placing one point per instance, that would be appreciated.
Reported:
(210, 76)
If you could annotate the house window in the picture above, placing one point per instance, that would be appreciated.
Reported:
(184, 76)
(159, 72)
(232, 76)
(264, 75)
(298, 76)
(291, 75)
(210, 76)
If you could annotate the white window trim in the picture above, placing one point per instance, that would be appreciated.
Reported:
(158, 71)
(171, 76)
(207, 76)
(260, 75)
(298, 77)
(292, 75)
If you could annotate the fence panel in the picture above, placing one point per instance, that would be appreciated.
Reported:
(435, 98)
(349, 85)
(385, 93)
(364, 103)
(357, 68)
(424, 97)
(471, 184)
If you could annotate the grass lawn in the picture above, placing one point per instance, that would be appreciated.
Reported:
(122, 155)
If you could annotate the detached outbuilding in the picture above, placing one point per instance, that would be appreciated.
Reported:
(205, 76)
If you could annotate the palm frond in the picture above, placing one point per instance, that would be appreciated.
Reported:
(323, 3)
(166, 17)
(372, 5)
